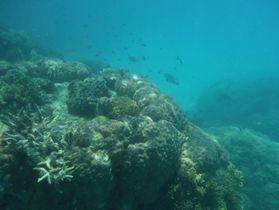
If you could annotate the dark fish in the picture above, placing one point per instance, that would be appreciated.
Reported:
(143, 58)
(133, 59)
(146, 76)
(85, 25)
(90, 46)
(225, 97)
(72, 50)
(143, 45)
(171, 79)
(98, 53)
(179, 60)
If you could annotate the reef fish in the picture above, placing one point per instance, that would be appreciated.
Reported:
(179, 60)
(171, 79)
(133, 59)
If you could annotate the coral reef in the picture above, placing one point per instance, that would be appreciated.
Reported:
(14, 46)
(83, 96)
(18, 89)
(72, 140)
(200, 184)
(261, 184)
(59, 71)
(4, 67)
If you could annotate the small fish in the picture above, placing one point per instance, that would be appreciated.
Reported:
(98, 53)
(133, 59)
(143, 45)
(179, 60)
(90, 46)
(225, 97)
(85, 25)
(171, 79)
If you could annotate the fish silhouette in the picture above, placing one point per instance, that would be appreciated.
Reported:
(171, 79)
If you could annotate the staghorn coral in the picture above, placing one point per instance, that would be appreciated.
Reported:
(36, 142)
(56, 157)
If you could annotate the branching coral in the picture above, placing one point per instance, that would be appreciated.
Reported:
(50, 173)
(36, 141)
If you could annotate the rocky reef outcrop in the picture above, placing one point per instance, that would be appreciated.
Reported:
(73, 139)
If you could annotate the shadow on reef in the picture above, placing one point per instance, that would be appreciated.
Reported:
(71, 139)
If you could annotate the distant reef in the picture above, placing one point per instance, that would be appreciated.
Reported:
(75, 139)
(258, 157)
(249, 103)
(243, 116)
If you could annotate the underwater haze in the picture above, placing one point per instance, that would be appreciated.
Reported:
(139, 105)
(198, 42)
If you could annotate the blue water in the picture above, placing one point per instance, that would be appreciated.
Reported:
(214, 39)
